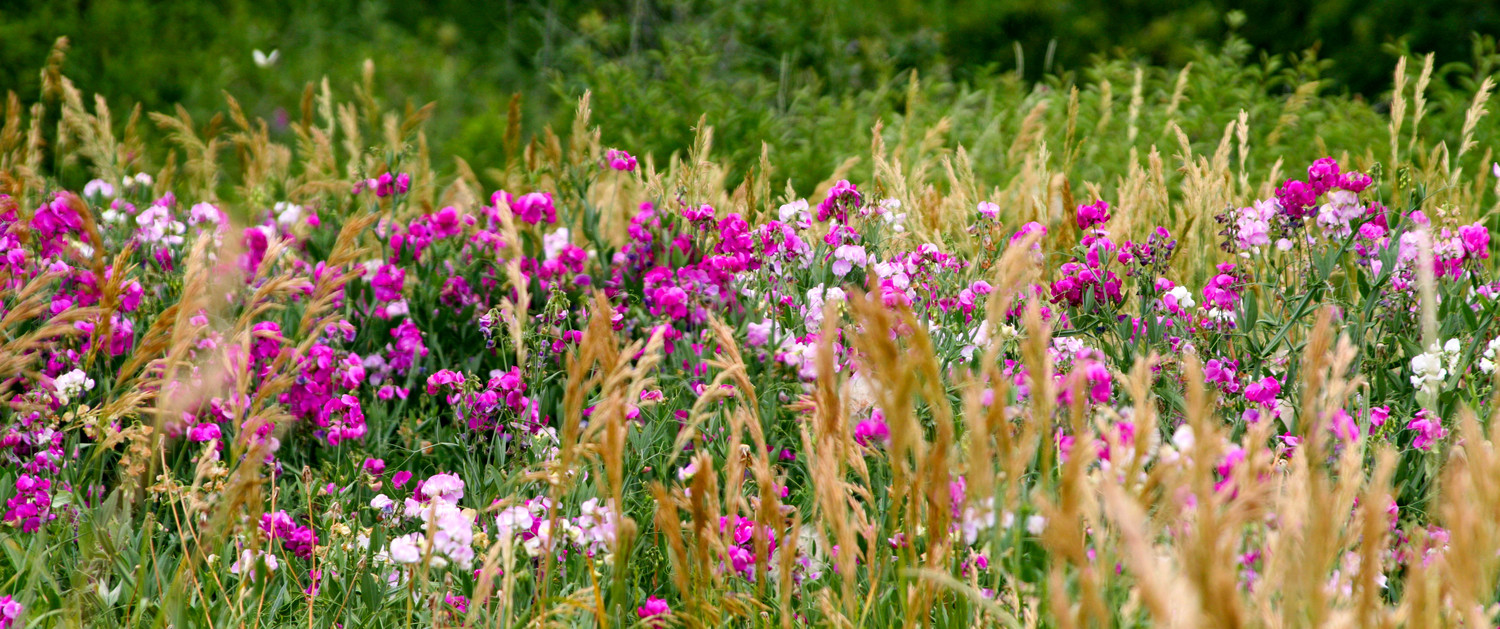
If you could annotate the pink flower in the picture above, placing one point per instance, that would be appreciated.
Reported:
(1264, 391)
(653, 610)
(10, 612)
(872, 431)
(620, 160)
(534, 207)
(1093, 215)
(1476, 240)
(1429, 430)
(204, 432)
(1344, 427)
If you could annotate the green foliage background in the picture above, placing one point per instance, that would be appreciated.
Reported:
(809, 78)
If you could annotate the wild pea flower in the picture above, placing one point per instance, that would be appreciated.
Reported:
(817, 297)
(1430, 368)
(31, 506)
(342, 419)
(758, 334)
(620, 160)
(296, 539)
(407, 348)
(872, 431)
(846, 257)
(1487, 360)
(447, 488)
(1295, 198)
(200, 433)
(1476, 239)
(70, 385)
(453, 540)
(1429, 429)
(202, 213)
(534, 207)
(385, 185)
(1344, 426)
(388, 282)
(98, 188)
(843, 197)
(10, 612)
(407, 548)
(1263, 391)
(794, 212)
(250, 562)
(653, 611)
(1093, 215)
(287, 214)
(1178, 301)
(891, 214)
(1334, 216)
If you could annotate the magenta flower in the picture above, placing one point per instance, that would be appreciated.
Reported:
(534, 208)
(654, 609)
(620, 160)
(10, 612)
(872, 431)
(1476, 240)
(1429, 429)
(1263, 391)
(1093, 215)
(1344, 427)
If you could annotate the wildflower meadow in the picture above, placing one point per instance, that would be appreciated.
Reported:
(1145, 357)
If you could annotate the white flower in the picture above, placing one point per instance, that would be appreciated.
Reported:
(514, 520)
(287, 214)
(382, 502)
(98, 188)
(248, 558)
(796, 210)
(72, 384)
(554, 242)
(144, 180)
(447, 488)
(265, 60)
(1452, 352)
(1183, 296)
(1487, 363)
(1036, 524)
(157, 225)
(846, 257)
(1182, 438)
(407, 548)
(1428, 372)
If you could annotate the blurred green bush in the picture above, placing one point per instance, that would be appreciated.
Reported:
(809, 78)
